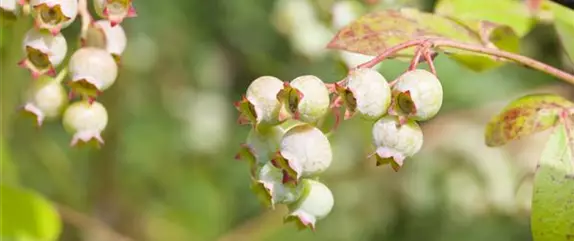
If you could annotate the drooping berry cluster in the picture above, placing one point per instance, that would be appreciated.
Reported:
(92, 68)
(287, 152)
(414, 96)
(284, 148)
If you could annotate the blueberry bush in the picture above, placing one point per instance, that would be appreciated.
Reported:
(288, 146)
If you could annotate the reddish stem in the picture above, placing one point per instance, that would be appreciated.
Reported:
(416, 59)
(389, 52)
(428, 58)
(438, 42)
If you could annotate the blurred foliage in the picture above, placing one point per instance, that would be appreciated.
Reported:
(167, 171)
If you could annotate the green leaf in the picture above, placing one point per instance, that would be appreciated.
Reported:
(525, 116)
(373, 33)
(512, 13)
(491, 35)
(553, 196)
(27, 216)
(564, 25)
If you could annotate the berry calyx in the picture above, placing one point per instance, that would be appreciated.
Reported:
(269, 187)
(92, 71)
(417, 95)
(44, 52)
(54, 15)
(115, 10)
(395, 142)
(367, 93)
(85, 121)
(306, 98)
(304, 152)
(260, 105)
(262, 144)
(315, 203)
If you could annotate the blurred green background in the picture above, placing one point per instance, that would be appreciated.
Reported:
(167, 170)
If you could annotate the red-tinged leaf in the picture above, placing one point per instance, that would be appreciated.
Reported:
(525, 116)
(375, 32)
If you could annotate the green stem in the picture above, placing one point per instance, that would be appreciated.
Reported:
(60, 77)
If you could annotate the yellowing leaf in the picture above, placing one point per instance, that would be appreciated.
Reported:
(525, 116)
(512, 13)
(375, 32)
(552, 217)
(27, 216)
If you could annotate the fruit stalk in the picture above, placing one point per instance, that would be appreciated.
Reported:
(440, 42)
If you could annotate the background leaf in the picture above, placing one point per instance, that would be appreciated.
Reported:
(525, 116)
(564, 24)
(512, 13)
(27, 216)
(373, 33)
(552, 206)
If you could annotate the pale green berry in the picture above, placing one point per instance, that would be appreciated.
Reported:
(315, 203)
(367, 93)
(115, 10)
(417, 95)
(395, 141)
(263, 143)
(306, 98)
(93, 70)
(270, 187)
(260, 105)
(43, 51)
(304, 152)
(86, 121)
(101, 34)
(54, 15)
(46, 99)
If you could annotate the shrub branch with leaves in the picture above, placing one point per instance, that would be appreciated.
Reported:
(290, 151)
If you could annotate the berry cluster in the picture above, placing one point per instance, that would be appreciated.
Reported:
(92, 68)
(287, 152)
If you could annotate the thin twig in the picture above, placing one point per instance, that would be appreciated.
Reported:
(88, 224)
(523, 60)
(439, 42)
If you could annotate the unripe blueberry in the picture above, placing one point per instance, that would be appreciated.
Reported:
(315, 203)
(8, 9)
(271, 190)
(43, 51)
(417, 95)
(367, 93)
(263, 143)
(115, 10)
(86, 121)
(46, 99)
(54, 15)
(260, 105)
(93, 70)
(395, 141)
(304, 152)
(101, 34)
(306, 98)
